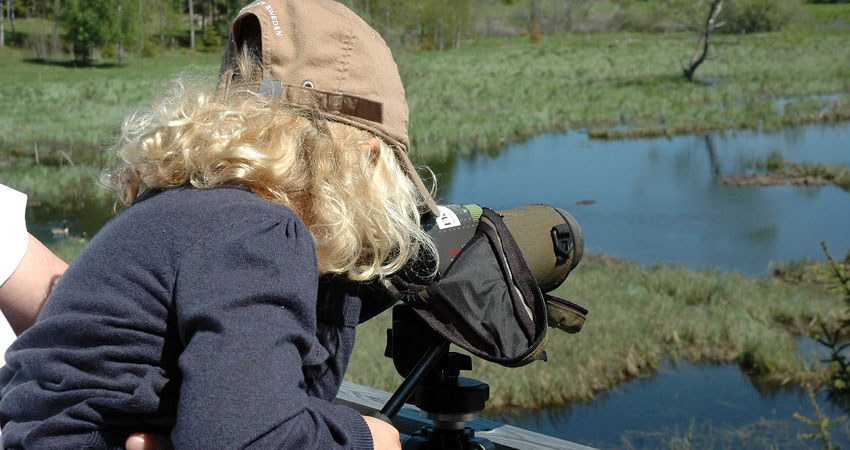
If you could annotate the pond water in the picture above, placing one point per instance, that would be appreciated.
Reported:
(712, 406)
(660, 200)
(83, 218)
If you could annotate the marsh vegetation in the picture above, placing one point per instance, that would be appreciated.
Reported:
(639, 317)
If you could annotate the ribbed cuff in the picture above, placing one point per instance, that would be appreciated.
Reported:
(361, 437)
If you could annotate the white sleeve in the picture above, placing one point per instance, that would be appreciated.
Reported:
(14, 238)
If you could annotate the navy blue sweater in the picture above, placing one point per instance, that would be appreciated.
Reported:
(199, 305)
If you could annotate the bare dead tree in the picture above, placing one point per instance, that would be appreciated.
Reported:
(191, 24)
(2, 25)
(141, 25)
(706, 28)
(120, 41)
(11, 4)
(55, 44)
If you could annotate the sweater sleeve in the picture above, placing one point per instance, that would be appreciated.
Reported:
(245, 301)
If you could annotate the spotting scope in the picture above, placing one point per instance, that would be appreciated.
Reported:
(550, 240)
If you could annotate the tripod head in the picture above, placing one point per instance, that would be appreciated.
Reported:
(431, 374)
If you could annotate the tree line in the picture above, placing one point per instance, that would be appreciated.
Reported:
(79, 27)
(110, 27)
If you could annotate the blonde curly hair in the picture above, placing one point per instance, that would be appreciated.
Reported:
(360, 206)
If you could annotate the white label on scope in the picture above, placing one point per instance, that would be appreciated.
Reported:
(447, 219)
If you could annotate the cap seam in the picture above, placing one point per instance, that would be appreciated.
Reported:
(347, 49)
(267, 71)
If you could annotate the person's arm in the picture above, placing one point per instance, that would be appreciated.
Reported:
(245, 302)
(23, 294)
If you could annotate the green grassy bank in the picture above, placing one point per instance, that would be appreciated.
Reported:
(489, 92)
(638, 317)
(623, 85)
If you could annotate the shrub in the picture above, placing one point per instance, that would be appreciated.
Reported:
(753, 16)
(211, 41)
(534, 32)
(151, 49)
(39, 43)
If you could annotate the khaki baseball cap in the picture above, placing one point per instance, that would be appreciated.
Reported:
(320, 54)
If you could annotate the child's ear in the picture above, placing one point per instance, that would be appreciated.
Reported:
(374, 149)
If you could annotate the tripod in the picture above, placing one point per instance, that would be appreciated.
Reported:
(431, 375)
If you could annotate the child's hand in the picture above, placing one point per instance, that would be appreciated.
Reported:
(148, 441)
(384, 435)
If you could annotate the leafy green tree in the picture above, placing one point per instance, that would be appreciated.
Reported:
(88, 25)
(167, 17)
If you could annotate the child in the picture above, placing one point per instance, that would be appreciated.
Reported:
(201, 301)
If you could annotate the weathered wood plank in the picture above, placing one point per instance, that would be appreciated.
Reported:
(367, 400)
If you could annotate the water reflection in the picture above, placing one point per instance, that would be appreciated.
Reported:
(659, 200)
(715, 402)
(83, 217)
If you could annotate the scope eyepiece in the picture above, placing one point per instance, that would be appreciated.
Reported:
(550, 239)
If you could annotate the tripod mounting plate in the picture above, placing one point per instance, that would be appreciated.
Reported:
(452, 396)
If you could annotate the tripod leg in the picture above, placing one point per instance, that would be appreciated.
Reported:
(428, 361)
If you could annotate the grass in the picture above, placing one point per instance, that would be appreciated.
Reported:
(45, 184)
(68, 248)
(621, 85)
(827, 16)
(488, 93)
(764, 434)
(638, 317)
(56, 108)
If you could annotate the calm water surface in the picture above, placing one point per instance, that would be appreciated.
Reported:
(716, 405)
(660, 200)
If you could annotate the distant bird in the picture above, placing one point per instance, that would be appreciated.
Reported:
(61, 232)
(586, 202)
